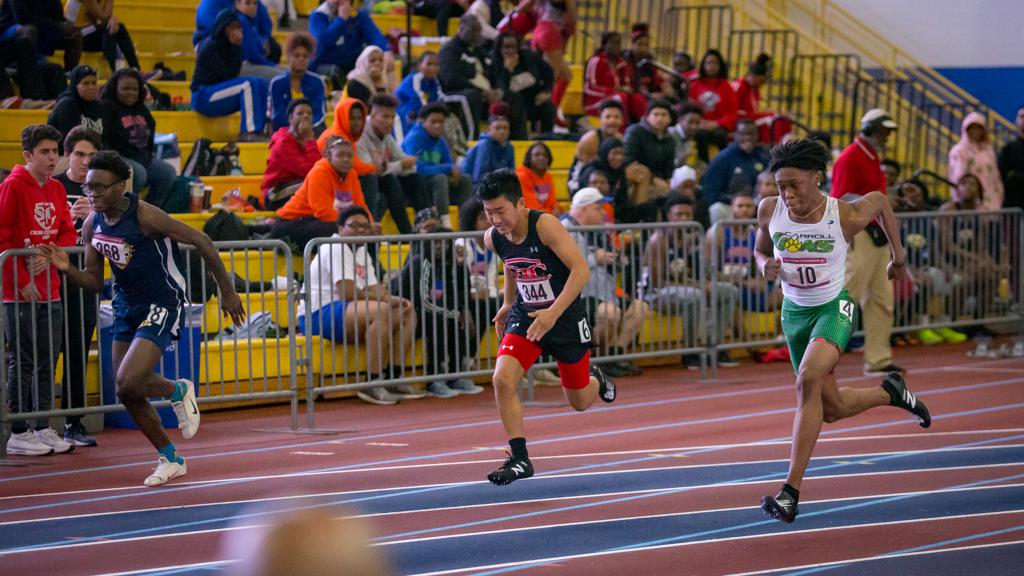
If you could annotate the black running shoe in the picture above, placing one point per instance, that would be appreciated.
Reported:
(606, 387)
(782, 506)
(513, 469)
(901, 397)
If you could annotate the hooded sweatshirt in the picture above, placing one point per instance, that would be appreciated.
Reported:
(129, 130)
(625, 210)
(361, 84)
(717, 98)
(288, 161)
(415, 91)
(338, 41)
(538, 191)
(342, 127)
(30, 215)
(217, 59)
(978, 159)
(434, 156)
(487, 156)
(252, 41)
(209, 10)
(323, 194)
(656, 152)
(71, 110)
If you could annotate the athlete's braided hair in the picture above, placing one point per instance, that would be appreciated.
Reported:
(800, 154)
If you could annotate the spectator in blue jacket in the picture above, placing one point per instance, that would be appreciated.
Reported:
(418, 89)
(342, 32)
(206, 16)
(447, 184)
(299, 49)
(492, 152)
(261, 53)
(217, 88)
(743, 159)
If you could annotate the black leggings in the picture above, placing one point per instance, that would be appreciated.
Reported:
(100, 40)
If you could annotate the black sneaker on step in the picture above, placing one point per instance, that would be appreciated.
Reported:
(901, 397)
(513, 469)
(782, 506)
(606, 387)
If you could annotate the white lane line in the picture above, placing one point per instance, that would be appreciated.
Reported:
(540, 561)
(708, 447)
(879, 557)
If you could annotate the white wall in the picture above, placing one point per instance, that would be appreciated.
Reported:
(948, 33)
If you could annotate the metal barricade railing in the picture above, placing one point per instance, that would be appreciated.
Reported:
(65, 346)
(431, 319)
(693, 29)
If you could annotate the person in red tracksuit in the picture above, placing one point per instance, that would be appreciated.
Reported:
(609, 75)
(714, 93)
(33, 210)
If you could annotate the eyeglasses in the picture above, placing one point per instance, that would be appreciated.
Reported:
(358, 226)
(90, 189)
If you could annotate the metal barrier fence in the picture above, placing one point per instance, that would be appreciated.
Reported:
(62, 350)
(429, 301)
(379, 312)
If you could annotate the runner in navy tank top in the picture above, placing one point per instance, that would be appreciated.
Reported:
(541, 311)
(140, 241)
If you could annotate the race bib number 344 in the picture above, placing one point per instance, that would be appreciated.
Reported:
(536, 292)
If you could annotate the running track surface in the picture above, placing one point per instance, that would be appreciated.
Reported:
(665, 481)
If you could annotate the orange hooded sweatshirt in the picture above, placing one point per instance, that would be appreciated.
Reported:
(342, 127)
(538, 191)
(324, 194)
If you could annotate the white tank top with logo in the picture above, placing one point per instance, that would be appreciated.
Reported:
(813, 255)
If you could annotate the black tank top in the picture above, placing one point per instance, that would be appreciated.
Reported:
(539, 274)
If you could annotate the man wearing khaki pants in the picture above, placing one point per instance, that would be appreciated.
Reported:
(857, 171)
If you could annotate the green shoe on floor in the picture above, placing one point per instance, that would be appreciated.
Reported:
(930, 337)
(951, 336)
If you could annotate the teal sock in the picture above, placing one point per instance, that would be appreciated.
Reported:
(169, 453)
(180, 388)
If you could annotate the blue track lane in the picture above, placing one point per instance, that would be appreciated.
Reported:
(40, 534)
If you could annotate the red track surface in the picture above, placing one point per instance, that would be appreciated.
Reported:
(682, 413)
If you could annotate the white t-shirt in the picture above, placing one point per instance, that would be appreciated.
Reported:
(483, 267)
(332, 264)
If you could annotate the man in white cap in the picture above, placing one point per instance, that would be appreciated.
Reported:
(857, 171)
(616, 321)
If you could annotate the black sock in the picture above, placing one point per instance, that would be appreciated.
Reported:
(792, 492)
(518, 446)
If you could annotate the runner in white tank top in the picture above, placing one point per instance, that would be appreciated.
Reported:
(813, 255)
(802, 239)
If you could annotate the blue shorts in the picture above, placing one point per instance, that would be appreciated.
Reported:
(328, 322)
(154, 322)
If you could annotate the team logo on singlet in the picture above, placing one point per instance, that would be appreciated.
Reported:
(114, 249)
(532, 280)
(796, 242)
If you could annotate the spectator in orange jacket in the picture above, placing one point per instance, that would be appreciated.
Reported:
(537, 182)
(349, 120)
(330, 187)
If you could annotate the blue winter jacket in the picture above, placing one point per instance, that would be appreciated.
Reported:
(432, 154)
(487, 156)
(410, 97)
(340, 42)
(281, 95)
(206, 15)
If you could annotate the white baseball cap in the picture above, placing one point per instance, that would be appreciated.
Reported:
(588, 196)
(682, 174)
(880, 117)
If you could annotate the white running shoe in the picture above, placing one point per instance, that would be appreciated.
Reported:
(26, 444)
(49, 437)
(165, 470)
(187, 411)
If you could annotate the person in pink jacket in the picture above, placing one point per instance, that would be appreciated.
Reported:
(975, 154)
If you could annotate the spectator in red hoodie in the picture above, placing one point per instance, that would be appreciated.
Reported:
(748, 100)
(33, 211)
(714, 93)
(293, 152)
(609, 75)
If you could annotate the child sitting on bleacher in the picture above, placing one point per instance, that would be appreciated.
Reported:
(217, 89)
(130, 129)
(492, 152)
(448, 185)
(329, 188)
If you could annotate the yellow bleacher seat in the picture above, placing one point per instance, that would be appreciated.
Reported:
(275, 303)
(660, 328)
(230, 361)
(198, 219)
(760, 323)
(249, 185)
(254, 265)
(252, 155)
(140, 13)
(562, 151)
(189, 126)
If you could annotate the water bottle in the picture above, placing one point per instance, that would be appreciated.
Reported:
(196, 196)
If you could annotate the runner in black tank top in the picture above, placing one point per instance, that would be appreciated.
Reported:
(541, 311)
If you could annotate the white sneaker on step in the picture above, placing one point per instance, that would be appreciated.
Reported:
(26, 444)
(187, 411)
(49, 437)
(165, 471)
